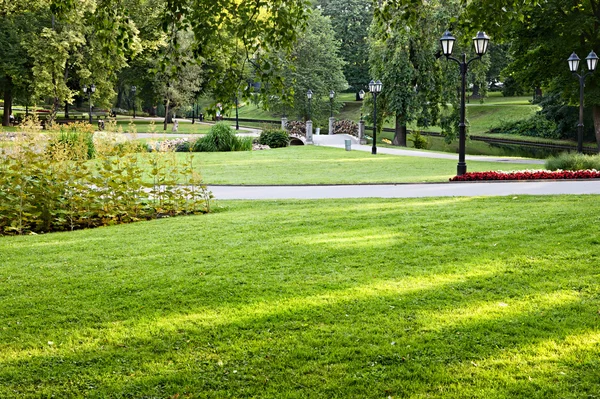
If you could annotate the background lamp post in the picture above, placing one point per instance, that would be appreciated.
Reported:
(133, 90)
(592, 62)
(309, 95)
(375, 88)
(89, 92)
(361, 95)
(480, 42)
(331, 97)
(237, 119)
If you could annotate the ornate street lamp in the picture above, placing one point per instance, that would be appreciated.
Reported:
(309, 95)
(480, 42)
(592, 62)
(133, 91)
(361, 95)
(89, 92)
(375, 88)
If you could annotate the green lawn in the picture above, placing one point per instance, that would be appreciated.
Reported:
(324, 165)
(412, 298)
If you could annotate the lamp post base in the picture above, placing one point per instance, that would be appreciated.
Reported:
(461, 169)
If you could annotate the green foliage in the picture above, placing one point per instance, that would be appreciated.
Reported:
(222, 138)
(274, 138)
(79, 137)
(416, 86)
(349, 20)
(535, 126)
(314, 64)
(419, 141)
(573, 161)
(566, 117)
(512, 87)
(58, 189)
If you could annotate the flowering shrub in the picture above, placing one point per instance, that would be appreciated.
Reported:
(529, 175)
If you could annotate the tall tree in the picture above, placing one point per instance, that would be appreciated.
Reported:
(543, 35)
(315, 64)
(416, 88)
(350, 20)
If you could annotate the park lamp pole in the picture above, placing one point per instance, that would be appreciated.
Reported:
(89, 92)
(237, 122)
(361, 95)
(331, 97)
(375, 88)
(133, 91)
(480, 42)
(309, 95)
(592, 62)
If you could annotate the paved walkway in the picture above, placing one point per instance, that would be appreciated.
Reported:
(467, 189)
(338, 142)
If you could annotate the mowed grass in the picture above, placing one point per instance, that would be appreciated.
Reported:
(437, 298)
(325, 165)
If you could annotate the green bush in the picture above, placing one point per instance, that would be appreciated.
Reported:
(274, 138)
(221, 138)
(535, 126)
(573, 161)
(419, 141)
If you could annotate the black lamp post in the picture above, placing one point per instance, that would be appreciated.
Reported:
(331, 97)
(133, 90)
(375, 88)
(89, 92)
(361, 95)
(237, 123)
(592, 62)
(309, 95)
(480, 43)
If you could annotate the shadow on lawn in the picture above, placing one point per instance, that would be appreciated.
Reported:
(339, 344)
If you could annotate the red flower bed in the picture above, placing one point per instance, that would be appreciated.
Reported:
(529, 175)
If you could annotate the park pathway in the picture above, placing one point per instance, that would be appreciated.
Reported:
(462, 189)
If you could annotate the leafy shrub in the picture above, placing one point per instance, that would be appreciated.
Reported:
(274, 138)
(345, 126)
(242, 144)
(419, 141)
(77, 145)
(296, 128)
(220, 138)
(46, 187)
(535, 126)
(573, 161)
(183, 146)
(566, 117)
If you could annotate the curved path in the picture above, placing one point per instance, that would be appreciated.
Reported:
(465, 189)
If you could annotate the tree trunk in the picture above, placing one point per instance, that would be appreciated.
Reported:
(596, 109)
(399, 132)
(66, 110)
(475, 93)
(7, 102)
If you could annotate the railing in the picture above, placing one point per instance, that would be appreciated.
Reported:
(494, 140)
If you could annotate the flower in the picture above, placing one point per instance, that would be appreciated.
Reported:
(529, 175)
